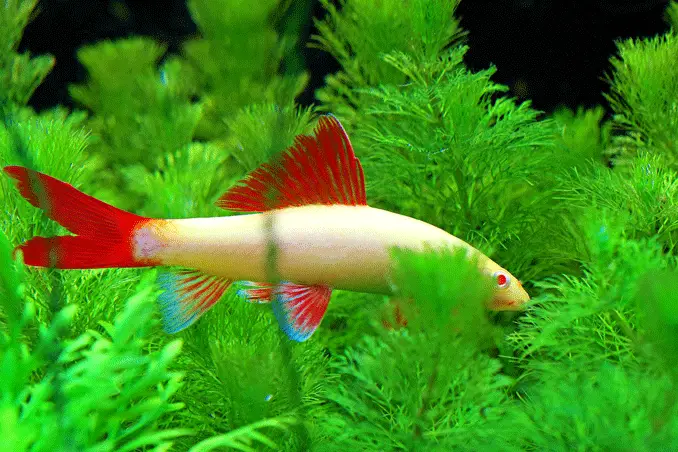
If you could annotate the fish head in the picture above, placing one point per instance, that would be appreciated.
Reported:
(509, 294)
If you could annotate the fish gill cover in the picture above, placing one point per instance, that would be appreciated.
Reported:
(585, 210)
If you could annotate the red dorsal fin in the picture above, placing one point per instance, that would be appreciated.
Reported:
(316, 170)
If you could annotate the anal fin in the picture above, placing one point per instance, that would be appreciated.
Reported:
(299, 309)
(187, 295)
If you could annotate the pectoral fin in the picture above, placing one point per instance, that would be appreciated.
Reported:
(188, 295)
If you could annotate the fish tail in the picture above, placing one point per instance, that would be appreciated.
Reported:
(105, 235)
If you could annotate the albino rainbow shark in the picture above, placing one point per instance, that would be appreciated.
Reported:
(325, 234)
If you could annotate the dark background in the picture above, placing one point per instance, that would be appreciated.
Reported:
(554, 52)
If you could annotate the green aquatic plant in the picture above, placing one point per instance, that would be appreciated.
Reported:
(361, 32)
(20, 74)
(583, 134)
(95, 391)
(148, 109)
(237, 59)
(582, 208)
(442, 353)
(157, 117)
(642, 96)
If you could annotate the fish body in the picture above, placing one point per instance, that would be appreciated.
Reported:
(306, 211)
(344, 247)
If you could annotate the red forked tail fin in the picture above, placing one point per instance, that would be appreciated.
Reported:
(104, 233)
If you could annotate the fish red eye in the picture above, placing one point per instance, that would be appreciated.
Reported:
(502, 278)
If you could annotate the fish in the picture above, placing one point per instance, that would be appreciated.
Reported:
(307, 208)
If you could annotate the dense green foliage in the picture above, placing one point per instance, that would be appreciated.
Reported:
(584, 211)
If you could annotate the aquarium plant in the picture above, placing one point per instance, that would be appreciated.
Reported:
(583, 207)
